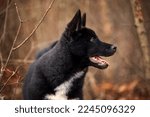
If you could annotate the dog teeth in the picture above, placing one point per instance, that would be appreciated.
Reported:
(100, 64)
(95, 59)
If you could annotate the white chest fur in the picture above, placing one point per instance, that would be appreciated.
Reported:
(63, 89)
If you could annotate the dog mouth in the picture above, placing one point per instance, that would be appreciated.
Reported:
(99, 62)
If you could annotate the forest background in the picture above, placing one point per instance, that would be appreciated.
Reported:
(27, 26)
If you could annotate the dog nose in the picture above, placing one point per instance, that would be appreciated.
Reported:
(114, 48)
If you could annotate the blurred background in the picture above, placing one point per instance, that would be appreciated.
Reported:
(124, 23)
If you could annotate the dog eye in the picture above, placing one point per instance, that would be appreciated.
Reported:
(92, 39)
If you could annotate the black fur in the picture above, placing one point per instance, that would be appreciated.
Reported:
(39, 54)
(63, 59)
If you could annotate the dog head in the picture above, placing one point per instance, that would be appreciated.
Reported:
(85, 44)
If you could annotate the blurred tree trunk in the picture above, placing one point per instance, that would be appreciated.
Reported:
(141, 31)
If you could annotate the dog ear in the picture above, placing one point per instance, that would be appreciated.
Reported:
(83, 20)
(75, 22)
(79, 24)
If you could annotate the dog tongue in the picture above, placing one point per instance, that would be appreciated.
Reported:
(99, 60)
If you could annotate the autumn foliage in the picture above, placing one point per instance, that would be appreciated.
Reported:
(132, 90)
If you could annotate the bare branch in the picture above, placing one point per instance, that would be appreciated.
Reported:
(30, 51)
(36, 27)
(5, 23)
(2, 37)
(1, 60)
(19, 61)
(8, 6)
(20, 24)
(18, 14)
(17, 82)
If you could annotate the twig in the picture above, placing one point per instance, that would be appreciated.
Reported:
(36, 27)
(13, 83)
(1, 67)
(20, 24)
(1, 60)
(19, 61)
(9, 78)
(3, 35)
(8, 6)
(5, 23)
(18, 14)
(30, 52)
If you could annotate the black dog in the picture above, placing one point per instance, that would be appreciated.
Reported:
(58, 72)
